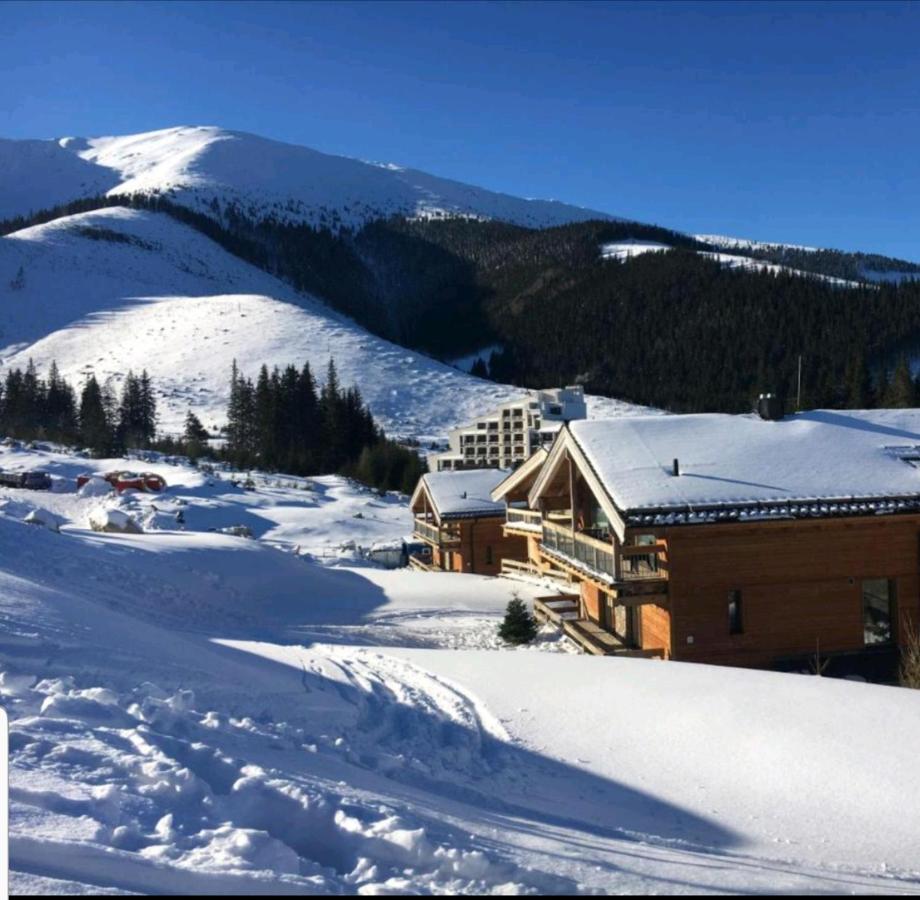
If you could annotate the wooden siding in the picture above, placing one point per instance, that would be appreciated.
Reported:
(800, 584)
(482, 546)
(591, 599)
(656, 629)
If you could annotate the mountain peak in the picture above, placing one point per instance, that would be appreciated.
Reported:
(200, 165)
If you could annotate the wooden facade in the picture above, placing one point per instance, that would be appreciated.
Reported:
(470, 543)
(757, 593)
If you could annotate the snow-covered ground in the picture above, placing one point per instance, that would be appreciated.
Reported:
(197, 712)
(197, 164)
(122, 289)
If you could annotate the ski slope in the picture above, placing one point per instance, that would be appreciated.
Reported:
(119, 289)
(198, 165)
(194, 712)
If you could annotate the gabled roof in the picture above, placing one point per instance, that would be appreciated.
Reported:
(823, 462)
(527, 471)
(461, 494)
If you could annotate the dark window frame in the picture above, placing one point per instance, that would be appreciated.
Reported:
(892, 638)
(735, 612)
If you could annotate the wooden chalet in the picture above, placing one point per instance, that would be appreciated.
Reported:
(730, 539)
(457, 518)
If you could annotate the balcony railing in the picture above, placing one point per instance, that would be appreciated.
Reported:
(643, 562)
(593, 550)
(524, 518)
(440, 536)
(595, 555)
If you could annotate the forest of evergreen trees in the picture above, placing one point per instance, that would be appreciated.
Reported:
(279, 423)
(282, 422)
(672, 329)
(36, 408)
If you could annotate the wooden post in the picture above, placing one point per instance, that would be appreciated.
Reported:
(571, 491)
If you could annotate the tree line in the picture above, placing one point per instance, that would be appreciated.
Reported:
(283, 421)
(101, 420)
(280, 422)
(670, 329)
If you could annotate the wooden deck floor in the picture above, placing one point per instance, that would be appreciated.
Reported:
(562, 610)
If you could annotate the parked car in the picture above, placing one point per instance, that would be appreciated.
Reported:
(31, 481)
(123, 481)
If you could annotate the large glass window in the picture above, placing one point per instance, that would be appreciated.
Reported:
(878, 610)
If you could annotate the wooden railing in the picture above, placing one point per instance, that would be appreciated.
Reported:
(529, 518)
(437, 535)
(640, 562)
(636, 562)
(596, 555)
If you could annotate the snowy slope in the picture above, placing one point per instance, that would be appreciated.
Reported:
(120, 289)
(36, 175)
(200, 164)
(192, 712)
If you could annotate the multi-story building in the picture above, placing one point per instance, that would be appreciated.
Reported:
(508, 435)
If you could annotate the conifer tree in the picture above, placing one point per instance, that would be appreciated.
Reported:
(901, 390)
(194, 436)
(518, 626)
(95, 426)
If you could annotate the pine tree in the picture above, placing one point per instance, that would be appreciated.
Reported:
(901, 390)
(859, 390)
(95, 425)
(518, 626)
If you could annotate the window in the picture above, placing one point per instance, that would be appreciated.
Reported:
(555, 410)
(878, 605)
(488, 554)
(735, 620)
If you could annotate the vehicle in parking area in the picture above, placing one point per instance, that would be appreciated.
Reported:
(123, 481)
(32, 481)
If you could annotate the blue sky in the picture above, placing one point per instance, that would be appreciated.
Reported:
(786, 121)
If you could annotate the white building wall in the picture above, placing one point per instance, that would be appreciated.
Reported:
(509, 434)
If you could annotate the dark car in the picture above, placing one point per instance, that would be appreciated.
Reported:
(32, 481)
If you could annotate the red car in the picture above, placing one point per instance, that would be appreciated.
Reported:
(122, 481)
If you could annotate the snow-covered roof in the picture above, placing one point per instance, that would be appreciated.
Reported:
(823, 462)
(465, 493)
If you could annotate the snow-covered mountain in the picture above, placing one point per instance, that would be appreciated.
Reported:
(119, 289)
(199, 165)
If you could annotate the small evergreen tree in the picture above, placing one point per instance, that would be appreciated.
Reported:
(195, 437)
(518, 626)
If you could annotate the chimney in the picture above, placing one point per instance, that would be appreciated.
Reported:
(676, 468)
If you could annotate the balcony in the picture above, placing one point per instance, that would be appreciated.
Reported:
(586, 552)
(592, 552)
(523, 520)
(439, 536)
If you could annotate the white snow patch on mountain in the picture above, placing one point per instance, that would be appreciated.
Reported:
(198, 165)
(732, 243)
(623, 250)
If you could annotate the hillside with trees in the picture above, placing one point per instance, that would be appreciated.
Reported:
(670, 329)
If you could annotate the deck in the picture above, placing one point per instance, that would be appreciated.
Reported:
(563, 609)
